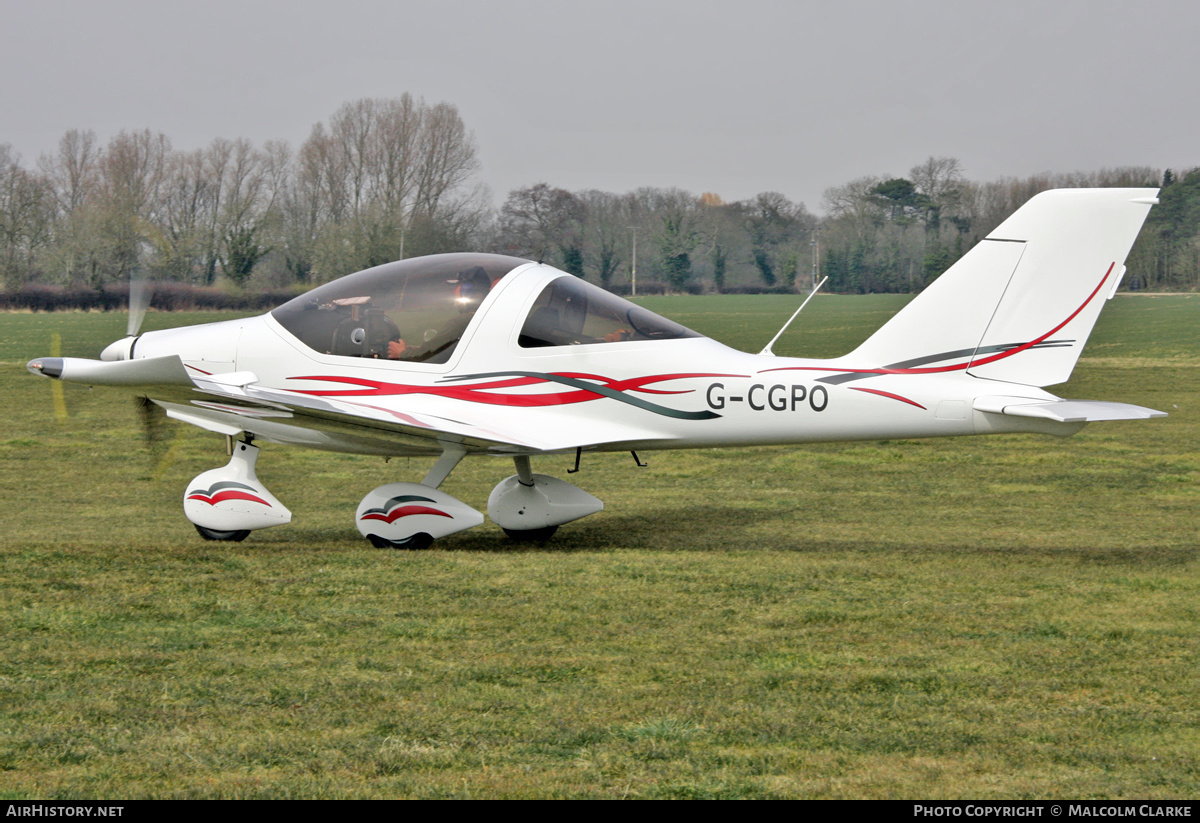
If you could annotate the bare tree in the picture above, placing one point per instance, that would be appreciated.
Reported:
(398, 130)
(71, 171)
(605, 232)
(25, 215)
(724, 238)
(778, 229)
(132, 169)
(540, 220)
(446, 157)
(246, 199)
(187, 199)
(385, 174)
(675, 230)
(938, 178)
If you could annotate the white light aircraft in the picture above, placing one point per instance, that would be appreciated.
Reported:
(475, 354)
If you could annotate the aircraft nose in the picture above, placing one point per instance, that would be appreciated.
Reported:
(118, 349)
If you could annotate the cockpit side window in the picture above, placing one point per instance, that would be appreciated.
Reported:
(572, 312)
(413, 310)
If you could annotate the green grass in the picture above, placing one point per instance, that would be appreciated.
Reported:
(988, 617)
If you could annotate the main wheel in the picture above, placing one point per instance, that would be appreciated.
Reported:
(531, 535)
(212, 534)
(418, 542)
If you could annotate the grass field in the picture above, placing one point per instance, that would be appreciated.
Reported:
(1000, 617)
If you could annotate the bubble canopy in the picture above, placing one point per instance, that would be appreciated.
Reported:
(417, 310)
(573, 312)
(413, 310)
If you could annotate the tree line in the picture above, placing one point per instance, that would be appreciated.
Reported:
(380, 179)
(383, 179)
(878, 234)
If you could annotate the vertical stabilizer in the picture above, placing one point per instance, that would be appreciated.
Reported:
(1019, 306)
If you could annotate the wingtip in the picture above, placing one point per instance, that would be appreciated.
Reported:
(46, 366)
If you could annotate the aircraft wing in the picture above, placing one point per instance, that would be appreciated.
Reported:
(167, 371)
(234, 402)
(364, 419)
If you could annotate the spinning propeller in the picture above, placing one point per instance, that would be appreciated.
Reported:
(140, 292)
(155, 430)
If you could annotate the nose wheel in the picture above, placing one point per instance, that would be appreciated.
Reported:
(228, 503)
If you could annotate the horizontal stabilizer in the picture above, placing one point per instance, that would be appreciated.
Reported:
(1065, 411)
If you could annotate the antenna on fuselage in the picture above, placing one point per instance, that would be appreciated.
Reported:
(767, 351)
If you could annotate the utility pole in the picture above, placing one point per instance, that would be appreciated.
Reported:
(633, 271)
(816, 257)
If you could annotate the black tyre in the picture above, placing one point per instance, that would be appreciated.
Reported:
(233, 536)
(531, 535)
(418, 542)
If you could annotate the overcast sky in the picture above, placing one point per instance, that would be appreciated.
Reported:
(729, 97)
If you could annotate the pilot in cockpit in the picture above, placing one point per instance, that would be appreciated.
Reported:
(470, 287)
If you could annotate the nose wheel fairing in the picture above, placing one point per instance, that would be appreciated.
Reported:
(226, 503)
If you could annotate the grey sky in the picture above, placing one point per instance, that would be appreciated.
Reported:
(730, 97)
